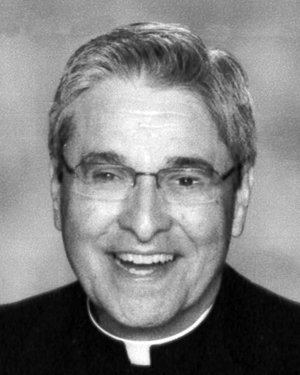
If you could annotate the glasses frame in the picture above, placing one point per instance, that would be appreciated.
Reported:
(217, 178)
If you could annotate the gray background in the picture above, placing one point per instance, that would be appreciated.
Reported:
(37, 36)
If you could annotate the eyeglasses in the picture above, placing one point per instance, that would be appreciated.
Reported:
(110, 182)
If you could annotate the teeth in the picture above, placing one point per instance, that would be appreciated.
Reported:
(145, 259)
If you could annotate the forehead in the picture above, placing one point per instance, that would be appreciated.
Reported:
(145, 125)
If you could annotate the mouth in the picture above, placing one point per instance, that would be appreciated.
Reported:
(142, 264)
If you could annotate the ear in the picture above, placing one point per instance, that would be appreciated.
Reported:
(242, 200)
(55, 189)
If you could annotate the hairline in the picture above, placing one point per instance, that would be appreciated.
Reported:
(225, 75)
(67, 117)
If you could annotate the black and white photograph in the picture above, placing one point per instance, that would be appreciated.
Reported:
(149, 187)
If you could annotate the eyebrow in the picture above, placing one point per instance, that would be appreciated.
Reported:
(189, 162)
(173, 162)
(103, 157)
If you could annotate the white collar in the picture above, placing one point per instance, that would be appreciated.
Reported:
(138, 351)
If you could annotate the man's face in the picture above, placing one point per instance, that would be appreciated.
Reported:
(114, 246)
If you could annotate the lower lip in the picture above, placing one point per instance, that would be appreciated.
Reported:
(144, 270)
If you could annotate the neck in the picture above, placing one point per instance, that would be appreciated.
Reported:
(148, 342)
(174, 326)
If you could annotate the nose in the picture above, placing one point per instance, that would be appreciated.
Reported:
(144, 212)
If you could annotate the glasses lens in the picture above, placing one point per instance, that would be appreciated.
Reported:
(188, 186)
(185, 186)
(103, 181)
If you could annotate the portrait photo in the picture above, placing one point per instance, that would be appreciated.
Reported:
(149, 187)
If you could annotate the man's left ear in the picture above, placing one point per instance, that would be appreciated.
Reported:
(55, 194)
(242, 200)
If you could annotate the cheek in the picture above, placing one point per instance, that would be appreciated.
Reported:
(87, 227)
(84, 220)
(204, 224)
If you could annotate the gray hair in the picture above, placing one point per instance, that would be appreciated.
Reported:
(168, 55)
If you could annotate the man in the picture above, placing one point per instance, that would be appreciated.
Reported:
(152, 142)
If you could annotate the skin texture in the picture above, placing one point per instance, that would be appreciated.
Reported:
(147, 128)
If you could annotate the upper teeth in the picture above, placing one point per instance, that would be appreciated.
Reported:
(145, 259)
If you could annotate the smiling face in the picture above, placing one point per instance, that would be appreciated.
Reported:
(146, 263)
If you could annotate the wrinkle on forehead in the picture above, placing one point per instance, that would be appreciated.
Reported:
(118, 100)
(151, 113)
(144, 137)
(147, 119)
(140, 126)
(147, 126)
(141, 102)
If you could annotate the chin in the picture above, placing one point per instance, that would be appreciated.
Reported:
(142, 318)
(148, 321)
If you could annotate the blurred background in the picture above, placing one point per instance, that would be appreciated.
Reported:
(37, 37)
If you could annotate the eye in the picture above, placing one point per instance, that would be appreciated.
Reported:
(187, 180)
(190, 181)
(103, 176)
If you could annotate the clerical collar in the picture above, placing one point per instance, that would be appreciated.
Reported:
(138, 351)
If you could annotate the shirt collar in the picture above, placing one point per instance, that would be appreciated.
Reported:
(138, 351)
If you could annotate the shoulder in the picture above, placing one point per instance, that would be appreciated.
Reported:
(245, 296)
(33, 306)
(46, 312)
(262, 326)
